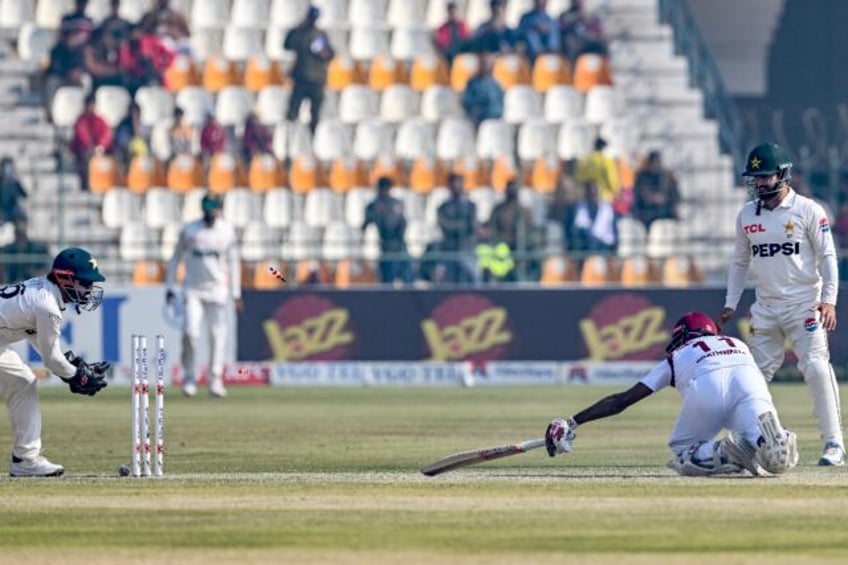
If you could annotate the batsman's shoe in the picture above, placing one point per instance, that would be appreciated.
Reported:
(833, 455)
(38, 467)
(739, 451)
(217, 389)
(688, 464)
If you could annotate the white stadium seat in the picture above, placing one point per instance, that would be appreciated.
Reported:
(418, 235)
(414, 140)
(413, 203)
(364, 13)
(484, 199)
(250, 13)
(280, 208)
(161, 207)
(455, 139)
(242, 207)
(68, 103)
(495, 139)
(112, 103)
(275, 37)
(321, 207)
(192, 204)
(535, 139)
(241, 43)
(119, 207)
(340, 241)
(372, 138)
(156, 103)
(398, 103)
(272, 103)
(233, 105)
(601, 104)
(367, 42)
(259, 242)
(196, 103)
(34, 43)
(15, 13)
(333, 13)
(48, 13)
(406, 13)
(563, 103)
(137, 242)
(407, 43)
(332, 140)
(214, 14)
(291, 139)
(356, 200)
(356, 103)
(440, 102)
(632, 237)
(303, 242)
(521, 103)
(435, 199)
(574, 140)
(169, 239)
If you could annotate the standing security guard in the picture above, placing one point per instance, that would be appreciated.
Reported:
(785, 239)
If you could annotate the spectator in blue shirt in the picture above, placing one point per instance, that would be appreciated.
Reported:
(539, 30)
(493, 35)
(483, 98)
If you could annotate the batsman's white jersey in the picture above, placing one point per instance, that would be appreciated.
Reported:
(721, 388)
(210, 254)
(789, 250)
(30, 310)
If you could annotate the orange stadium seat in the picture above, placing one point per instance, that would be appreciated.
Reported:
(312, 271)
(557, 270)
(463, 68)
(428, 70)
(144, 172)
(102, 173)
(180, 74)
(511, 70)
(591, 70)
(350, 272)
(385, 166)
(596, 271)
(545, 174)
(260, 72)
(344, 174)
(635, 271)
(680, 270)
(148, 272)
(425, 175)
(342, 72)
(550, 70)
(223, 173)
(303, 175)
(184, 173)
(473, 173)
(218, 73)
(503, 170)
(385, 72)
(264, 278)
(264, 173)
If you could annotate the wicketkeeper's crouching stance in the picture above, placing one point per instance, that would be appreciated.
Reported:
(722, 388)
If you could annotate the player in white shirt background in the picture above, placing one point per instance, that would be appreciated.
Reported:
(721, 388)
(33, 310)
(785, 240)
(209, 250)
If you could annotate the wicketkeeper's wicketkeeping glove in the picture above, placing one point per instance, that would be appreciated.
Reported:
(89, 379)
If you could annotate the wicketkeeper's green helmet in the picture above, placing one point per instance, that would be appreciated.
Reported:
(75, 271)
(767, 159)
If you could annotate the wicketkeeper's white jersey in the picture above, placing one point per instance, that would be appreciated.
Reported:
(210, 254)
(708, 354)
(32, 310)
(790, 251)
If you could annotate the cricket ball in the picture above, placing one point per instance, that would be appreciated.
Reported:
(124, 471)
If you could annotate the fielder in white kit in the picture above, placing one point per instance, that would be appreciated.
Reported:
(209, 249)
(33, 310)
(785, 240)
(721, 388)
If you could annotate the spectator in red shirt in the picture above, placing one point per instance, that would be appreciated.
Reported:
(451, 35)
(256, 139)
(213, 138)
(91, 135)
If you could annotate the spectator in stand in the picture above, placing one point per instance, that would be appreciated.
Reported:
(76, 21)
(169, 25)
(598, 168)
(483, 98)
(67, 65)
(213, 138)
(450, 37)
(144, 58)
(512, 224)
(130, 137)
(580, 31)
(114, 25)
(92, 135)
(183, 135)
(655, 194)
(100, 55)
(566, 194)
(539, 31)
(256, 139)
(458, 222)
(590, 226)
(386, 212)
(493, 35)
(12, 192)
(26, 258)
(313, 52)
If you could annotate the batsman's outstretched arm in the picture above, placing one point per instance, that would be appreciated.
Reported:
(560, 433)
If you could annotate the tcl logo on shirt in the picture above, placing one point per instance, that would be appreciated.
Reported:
(754, 228)
(772, 249)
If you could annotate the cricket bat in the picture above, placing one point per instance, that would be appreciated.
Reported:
(467, 458)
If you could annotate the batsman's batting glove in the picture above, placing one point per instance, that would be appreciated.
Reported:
(87, 380)
(559, 435)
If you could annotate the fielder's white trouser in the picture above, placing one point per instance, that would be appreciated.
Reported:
(213, 316)
(18, 388)
(731, 399)
(770, 326)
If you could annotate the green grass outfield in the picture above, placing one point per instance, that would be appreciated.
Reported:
(330, 476)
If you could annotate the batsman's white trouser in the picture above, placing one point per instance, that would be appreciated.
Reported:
(213, 314)
(18, 387)
(732, 398)
(770, 326)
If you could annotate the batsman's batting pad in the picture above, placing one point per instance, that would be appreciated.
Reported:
(778, 451)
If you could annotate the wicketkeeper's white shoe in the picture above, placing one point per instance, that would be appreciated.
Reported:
(217, 389)
(38, 467)
(189, 389)
(833, 455)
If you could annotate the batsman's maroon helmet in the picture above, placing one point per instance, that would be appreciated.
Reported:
(692, 325)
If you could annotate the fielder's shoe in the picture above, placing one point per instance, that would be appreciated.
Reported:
(38, 467)
(189, 389)
(217, 389)
(833, 455)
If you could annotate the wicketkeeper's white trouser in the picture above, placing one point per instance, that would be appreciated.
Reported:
(18, 388)
(770, 326)
(732, 399)
(200, 314)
